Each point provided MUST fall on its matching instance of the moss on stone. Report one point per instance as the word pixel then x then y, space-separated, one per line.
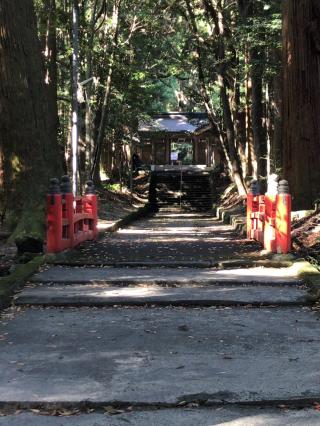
pixel 311 276
pixel 14 281
pixel 30 225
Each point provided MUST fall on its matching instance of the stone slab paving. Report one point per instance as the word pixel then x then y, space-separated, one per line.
pixel 95 295
pixel 171 237
pixel 178 417
pixel 160 355
pixel 166 275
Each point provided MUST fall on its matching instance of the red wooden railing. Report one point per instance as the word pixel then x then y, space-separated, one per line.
pixel 70 220
pixel 269 218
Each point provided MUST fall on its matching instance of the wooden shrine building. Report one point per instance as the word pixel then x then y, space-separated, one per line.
pixel 177 138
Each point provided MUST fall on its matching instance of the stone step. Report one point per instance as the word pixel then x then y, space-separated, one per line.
pixel 167 276
pixel 94 295
pixel 227 264
pixel 195 191
pixel 160 356
pixel 228 416
pixel 134 264
pixel 172 215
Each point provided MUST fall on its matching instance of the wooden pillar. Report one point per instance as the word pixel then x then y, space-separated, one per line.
pixel 195 141
pixel 168 150
pixel 153 151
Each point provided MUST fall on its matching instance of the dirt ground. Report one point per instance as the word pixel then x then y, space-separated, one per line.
pixel 306 235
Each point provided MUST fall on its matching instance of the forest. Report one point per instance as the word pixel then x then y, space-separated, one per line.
pixel 105 65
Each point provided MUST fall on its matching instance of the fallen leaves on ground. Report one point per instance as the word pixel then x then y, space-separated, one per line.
pixel 112 411
pixel 59 412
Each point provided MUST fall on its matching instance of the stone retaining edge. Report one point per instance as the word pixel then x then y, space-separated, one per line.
pixel 129 218
pixel 311 277
pixel 16 280
pixel 234 217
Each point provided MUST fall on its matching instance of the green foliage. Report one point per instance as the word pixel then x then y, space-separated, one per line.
pixel 155 64
pixel 114 187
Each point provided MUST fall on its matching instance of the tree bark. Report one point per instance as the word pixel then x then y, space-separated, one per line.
pixel 301 99
pixel 48 41
pixel 103 122
pixel 28 145
pixel 252 161
pixel 89 142
pixel 259 136
pixel 276 159
pixel 239 119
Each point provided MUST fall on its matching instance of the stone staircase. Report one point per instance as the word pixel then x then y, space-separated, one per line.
pixel 189 188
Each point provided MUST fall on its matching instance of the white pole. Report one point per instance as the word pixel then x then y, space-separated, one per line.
pixel 74 135
pixel 131 165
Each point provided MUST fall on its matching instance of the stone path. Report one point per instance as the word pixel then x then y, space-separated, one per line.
pixel 178 344
pixel 170 237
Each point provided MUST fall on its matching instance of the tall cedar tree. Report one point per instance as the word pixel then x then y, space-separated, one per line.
pixel 301 99
pixel 28 147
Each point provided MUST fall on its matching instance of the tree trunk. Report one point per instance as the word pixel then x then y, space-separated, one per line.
pixel 103 122
pixel 276 159
pixel 301 99
pixel 102 126
pixel 27 142
pixel 230 151
pixel 89 142
pixel 48 40
pixel 252 161
pixel 259 136
pixel 75 104
pixel 2 188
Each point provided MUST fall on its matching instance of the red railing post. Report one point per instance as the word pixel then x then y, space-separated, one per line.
pixel 67 212
pixel 270 214
pixel 54 217
pixel 91 207
pixel 270 223
pixel 259 233
pixel 283 218
pixel 252 209
pixel 250 225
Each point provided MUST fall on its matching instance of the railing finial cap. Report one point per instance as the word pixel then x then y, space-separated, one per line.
pixel 283 187
pixel 66 187
pixel 255 187
pixel 54 187
pixel 90 189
